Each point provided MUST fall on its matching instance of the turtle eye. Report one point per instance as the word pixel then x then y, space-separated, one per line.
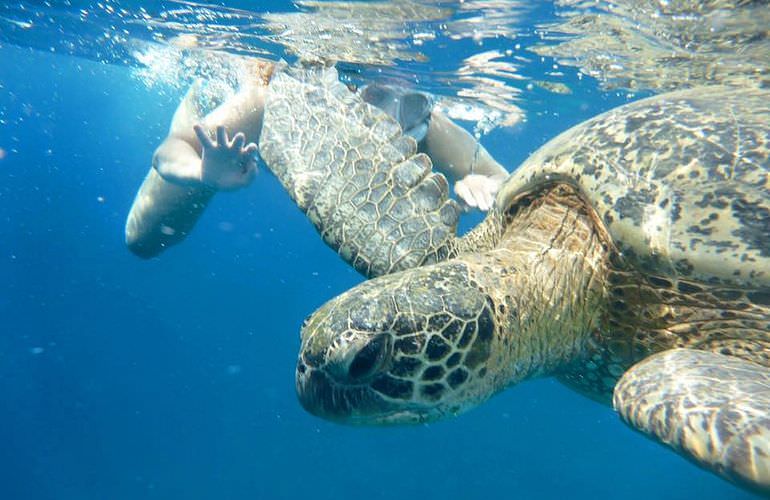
pixel 369 359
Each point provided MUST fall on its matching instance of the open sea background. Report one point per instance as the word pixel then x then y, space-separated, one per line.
pixel 174 377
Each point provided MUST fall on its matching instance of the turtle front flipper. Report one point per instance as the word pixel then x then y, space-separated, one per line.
pixel 360 181
pixel 713 409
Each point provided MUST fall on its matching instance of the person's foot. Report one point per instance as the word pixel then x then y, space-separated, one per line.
pixel 226 164
pixel 478 191
pixel 410 108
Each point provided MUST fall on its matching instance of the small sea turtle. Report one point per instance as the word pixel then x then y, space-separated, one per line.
pixel 629 256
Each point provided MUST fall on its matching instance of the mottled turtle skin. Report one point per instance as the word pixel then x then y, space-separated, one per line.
pixel 629 256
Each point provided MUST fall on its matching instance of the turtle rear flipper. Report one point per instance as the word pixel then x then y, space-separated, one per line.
pixel 349 167
pixel 713 409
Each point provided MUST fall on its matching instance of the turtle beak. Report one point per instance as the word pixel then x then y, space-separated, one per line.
pixel 321 396
pixel 353 405
pixel 314 390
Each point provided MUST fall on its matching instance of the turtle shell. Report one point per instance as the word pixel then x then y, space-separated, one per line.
pixel 681 181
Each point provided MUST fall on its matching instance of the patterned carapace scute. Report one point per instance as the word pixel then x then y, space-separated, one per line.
pixel 709 407
pixel 360 181
pixel 681 181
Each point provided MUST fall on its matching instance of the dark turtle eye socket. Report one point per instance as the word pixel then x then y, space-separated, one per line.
pixel 369 359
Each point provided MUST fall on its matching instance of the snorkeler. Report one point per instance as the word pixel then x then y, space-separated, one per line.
pixel 190 165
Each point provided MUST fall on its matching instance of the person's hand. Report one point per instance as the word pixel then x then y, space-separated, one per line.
pixel 226 164
pixel 478 191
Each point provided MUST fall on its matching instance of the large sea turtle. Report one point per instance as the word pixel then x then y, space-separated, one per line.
pixel 629 257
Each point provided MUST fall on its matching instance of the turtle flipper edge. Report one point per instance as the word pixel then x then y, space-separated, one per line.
pixel 712 408
pixel 360 181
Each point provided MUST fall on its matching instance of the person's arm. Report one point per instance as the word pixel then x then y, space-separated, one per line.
pixel 163 214
pixel 190 155
pixel 459 156
pixel 189 167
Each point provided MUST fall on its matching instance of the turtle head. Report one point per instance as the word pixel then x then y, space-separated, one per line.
pixel 405 348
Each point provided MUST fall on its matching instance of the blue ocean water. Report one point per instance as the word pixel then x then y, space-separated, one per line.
pixel 174 377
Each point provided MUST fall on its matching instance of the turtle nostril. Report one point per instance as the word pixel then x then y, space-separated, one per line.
pixel 369 359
